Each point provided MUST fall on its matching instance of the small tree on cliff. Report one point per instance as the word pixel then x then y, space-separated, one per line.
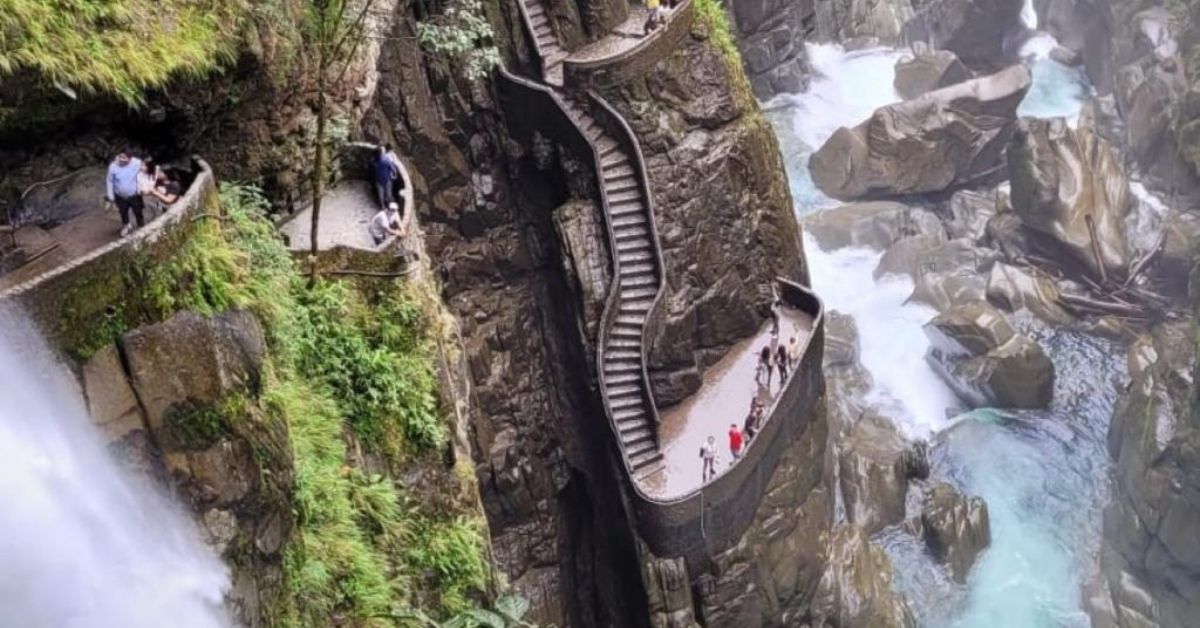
pixel 335 30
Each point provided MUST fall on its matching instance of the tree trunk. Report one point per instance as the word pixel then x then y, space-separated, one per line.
pixel 318 176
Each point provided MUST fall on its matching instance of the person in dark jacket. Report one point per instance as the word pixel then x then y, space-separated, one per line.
pixel 781 360
pixel 385 177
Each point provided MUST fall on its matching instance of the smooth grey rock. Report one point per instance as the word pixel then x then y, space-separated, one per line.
pixel 873 224
pixel 856 589
pixel 1013 288
pixel 111 403
pixel 956 528
pixel 928 71
pixel 874 468
pixel 1061 177
pixel 947 138
pixel 976 30
pixel 985 361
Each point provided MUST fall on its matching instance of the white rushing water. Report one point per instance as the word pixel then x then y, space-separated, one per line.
pixel 1041 473
pixel 83 544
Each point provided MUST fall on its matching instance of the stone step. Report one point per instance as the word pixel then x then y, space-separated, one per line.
pixel 628 221
pixel 625 342
pixel 632 432
pixel 612 365
pixel 643 444
pixel 605 146
pixel 624 354
pixel 622 331
pixel 628 292
pixel 614 160
pixel 538 20
pixel 644 254
pixel 630 415
pixel 620 185
pixel 617 403
pixel 639 306
pixel 622 390
pixel 626 207
pixel 631 319
pixel 630 246
pixel 622 196
pixel 636 268
pixel 623 378
pixel 619 172
pixel 639 281
pixel 645 459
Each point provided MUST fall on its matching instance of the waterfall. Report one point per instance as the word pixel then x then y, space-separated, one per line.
pixel 1029 16
pixel 85 544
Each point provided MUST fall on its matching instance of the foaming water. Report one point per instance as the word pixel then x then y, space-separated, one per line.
pixel 1042 474
pixel 891 340
pixel 84 544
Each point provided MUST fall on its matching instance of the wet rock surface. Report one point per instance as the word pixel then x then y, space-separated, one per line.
pixel 1068 184
pixel 1014 288
pixel 947 138
pixel 985 361
pixel 928 71
pixel 976 30
pixel 955 527
pixel 873 224
pixel 856 588
pixel 875 466
pixel 770 36
pixel 1152 555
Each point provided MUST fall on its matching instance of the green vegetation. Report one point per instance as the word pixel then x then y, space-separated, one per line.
pixel 345 360
pixel 462 33
pixel 711 13
pixel 119 47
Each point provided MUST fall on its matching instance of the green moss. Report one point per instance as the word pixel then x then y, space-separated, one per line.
pixel 118 47
pixel 711 13
pixel 193 426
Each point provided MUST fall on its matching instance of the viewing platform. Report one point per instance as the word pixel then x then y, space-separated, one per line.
pixel 723 399
pixel 628 51
pixel 66 219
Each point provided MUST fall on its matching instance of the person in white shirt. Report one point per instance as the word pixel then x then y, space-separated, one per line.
pixel 708 454
pixel 381 224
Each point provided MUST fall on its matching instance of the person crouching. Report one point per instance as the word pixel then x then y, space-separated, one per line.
pixel 385 223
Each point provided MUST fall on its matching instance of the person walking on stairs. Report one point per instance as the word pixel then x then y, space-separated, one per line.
pixel 708 457
pixel 121 189
pixel 781 360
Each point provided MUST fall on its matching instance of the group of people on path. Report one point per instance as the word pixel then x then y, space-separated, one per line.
pixel 656 17
pixel 389 188
pixel 774 357
pixel 134 185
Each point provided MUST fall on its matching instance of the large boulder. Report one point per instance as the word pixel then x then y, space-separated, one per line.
pixel 985 361
pixel 856 588
pixel 948 138
pixel 874 468
pixel 956 528
pixel 944 291
pixel 927 71
pixel 111 403
pixel 1064 178
pixel 975 30
pixel 1014 288
pixel 872 224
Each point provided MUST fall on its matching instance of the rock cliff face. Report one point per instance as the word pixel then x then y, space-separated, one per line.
pixel 722 206
pixel 1152 554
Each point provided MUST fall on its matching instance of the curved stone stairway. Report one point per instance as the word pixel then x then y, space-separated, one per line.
pixel 637 266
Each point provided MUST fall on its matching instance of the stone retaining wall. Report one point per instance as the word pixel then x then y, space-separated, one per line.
pixel 712 519
pixel 94 290
pixel 636 61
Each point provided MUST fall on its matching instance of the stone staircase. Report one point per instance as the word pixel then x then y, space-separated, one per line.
pixel 546 40
pixel 637 271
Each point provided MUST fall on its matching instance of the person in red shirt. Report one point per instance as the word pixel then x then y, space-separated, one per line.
pixel 735 440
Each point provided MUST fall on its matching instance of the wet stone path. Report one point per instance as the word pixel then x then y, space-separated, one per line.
pixel 624 37
pixel 723 399
pixel 346 211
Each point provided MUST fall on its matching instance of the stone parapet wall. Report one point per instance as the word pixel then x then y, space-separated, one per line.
pixel 92 290
pixel 636 61
pixel 713 518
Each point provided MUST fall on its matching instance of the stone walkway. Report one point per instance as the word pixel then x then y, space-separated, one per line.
pixel 346 211
pixel 624 37
pixel 88 226
pixel 723 398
